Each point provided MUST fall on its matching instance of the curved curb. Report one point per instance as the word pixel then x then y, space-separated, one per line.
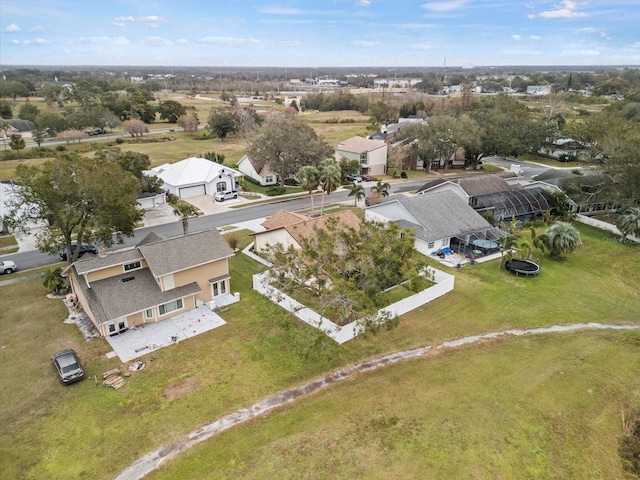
pixel 154 459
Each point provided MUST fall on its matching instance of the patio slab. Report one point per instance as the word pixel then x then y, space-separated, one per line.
pixel 147 338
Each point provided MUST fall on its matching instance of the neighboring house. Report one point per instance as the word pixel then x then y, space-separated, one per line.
pixel 154 281
pixel 372 154
pixel 287 228
pixel 259 171
pixel 25 128
pixel 195 176
pixel 8 189
pixel 566 149
pixel 468 187
pixel 439 219
pixel 151 200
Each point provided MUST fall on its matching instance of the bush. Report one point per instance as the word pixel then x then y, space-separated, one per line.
pixel 275 191
pixel 172 199
pixel 403 174
pixel 61 148
pixel 233 241
pixel 119 141
pixel 292 182
pixel 251 180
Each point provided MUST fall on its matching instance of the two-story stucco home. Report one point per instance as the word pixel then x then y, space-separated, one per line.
pixel 154 281
pixel 372 154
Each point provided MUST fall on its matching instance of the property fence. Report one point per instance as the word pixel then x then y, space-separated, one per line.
pixel 444 283
pixel 604 226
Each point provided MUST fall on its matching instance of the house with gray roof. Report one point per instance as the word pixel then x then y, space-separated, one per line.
pixel 25 128
pixel 439 219
pixel 468 187
pixel 156 280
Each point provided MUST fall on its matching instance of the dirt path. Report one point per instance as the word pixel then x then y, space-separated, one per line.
pixel 154 459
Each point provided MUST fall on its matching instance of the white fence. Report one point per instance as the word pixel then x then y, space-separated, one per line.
pixel 604 226
pixel 444 283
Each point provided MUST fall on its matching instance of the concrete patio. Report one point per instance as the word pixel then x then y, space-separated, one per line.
pixel 144 339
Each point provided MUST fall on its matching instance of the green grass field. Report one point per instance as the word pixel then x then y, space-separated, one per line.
pixel 499 410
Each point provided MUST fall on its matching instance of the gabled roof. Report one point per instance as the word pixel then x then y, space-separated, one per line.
pixel 191 170
pixel 186 251
pixel 306 228
pixel 472 186
pixel 128 293
pixel 20 125
pixel 360 145
pixel 282 218
pixel 258 166
pixel 436 215
pixel 151 238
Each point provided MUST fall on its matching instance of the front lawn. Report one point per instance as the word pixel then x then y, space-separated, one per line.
pixel 513 410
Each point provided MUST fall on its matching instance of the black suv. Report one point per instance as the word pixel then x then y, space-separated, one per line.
pixel 84 248
pixel 68 366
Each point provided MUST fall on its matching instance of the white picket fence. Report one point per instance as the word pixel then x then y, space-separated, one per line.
pixel 443 283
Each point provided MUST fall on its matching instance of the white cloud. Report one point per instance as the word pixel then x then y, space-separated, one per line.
pixel 119 24
pixel 516 37
pixel 151 21
pixel 36 41
pixel 15 42
pixel 420 46
pixel 363 3
pixel 445 6
pixel 565 9
pixel 102 40
pixel 289 43
pixel 535 38
pixel 229 41
pixel 182 42
pixel 154 41
pixel 364 43
pixel 13 28
pixel 123 19
pixel 280 11
pixel 36 29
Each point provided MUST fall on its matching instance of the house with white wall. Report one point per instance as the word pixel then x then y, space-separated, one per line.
pixel 372 154
pixel 259 171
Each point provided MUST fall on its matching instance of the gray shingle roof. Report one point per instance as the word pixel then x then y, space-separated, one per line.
pixel 442 215
pixel 187 251
pixel 112 298
pixel 472 186
pixel 90 263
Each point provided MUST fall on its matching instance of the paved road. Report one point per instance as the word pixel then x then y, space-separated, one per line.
pixel 529 169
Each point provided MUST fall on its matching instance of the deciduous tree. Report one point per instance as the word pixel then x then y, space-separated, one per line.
pixel 189 122
pixel 171 111
pixel 222 122
pixel 285 144
pixel 16 142
pixel 79 199
pixel 135 127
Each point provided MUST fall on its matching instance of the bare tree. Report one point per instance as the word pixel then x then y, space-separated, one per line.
pixel 72 135
pixel 189 122
pixel 135 127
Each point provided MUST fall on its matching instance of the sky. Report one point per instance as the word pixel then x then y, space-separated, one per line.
pixel 319 33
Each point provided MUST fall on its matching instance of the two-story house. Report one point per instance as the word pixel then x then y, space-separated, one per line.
pixel 372 154
pixel 154 281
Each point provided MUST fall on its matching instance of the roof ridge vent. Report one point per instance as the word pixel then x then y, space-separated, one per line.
pixel 128 279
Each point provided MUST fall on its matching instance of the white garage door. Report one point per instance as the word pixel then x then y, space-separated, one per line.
pixel 187 192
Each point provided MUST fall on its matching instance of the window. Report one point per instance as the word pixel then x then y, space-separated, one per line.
pixel 219 288
pixel 131 266
pixel 112 328
pixel 223 287
pixel 221 187
pixel 170 307
pixel 431 244
pixel 215 289
pixel 268 179
pixel 363 159
pixel 148 313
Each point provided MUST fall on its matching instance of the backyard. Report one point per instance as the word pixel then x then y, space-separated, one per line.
pixel 538 407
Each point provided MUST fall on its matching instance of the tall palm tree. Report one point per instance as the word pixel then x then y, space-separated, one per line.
pixel 185 211
pixel 357 192
pixel 629 223
pixel 5 128
pixel 562 238
pixel 538 242
pixel 330 177
pixel 309 179
pixel 381 189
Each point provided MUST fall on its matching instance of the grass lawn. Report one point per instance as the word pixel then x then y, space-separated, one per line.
pixel 513 410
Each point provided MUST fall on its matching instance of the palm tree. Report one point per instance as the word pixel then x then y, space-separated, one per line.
pixel 357 192
pixel 330 177
pixel 508 242
pixel 185 211
pixel 562 238
pixel 53 280
pixel 309 179
pixel 381 189
pixel 629 223
pixel 5 127
pixel 538 242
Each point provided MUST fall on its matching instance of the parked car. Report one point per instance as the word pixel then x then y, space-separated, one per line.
pixel 7 266
pixel 226 195
pixel 68 366
pixel 354 178
pixel 367 178
pixel 84 248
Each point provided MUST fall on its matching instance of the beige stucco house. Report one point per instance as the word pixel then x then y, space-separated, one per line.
pixel 154 281
pixel 372 154
pixel 259 171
